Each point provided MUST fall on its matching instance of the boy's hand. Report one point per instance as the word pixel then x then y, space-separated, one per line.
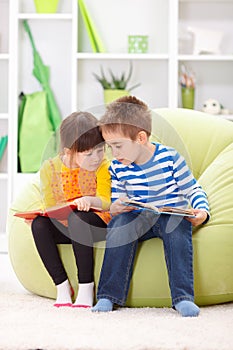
pixel 117 207
pixel 200 217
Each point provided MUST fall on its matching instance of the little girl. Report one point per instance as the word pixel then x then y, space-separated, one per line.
pixel 79 173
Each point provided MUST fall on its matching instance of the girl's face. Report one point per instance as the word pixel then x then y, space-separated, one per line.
pixel 89 160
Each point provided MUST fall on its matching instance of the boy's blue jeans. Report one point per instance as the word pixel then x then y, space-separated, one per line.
pixel 124 232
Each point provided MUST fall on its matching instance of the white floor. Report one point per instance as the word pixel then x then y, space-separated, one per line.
pixel 7 275
pixel 31 322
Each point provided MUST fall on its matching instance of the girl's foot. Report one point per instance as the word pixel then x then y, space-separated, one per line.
pixel 85 295
pixel 64 294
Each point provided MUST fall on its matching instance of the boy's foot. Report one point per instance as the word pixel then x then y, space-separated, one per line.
pixel 103 305
pixel 187 308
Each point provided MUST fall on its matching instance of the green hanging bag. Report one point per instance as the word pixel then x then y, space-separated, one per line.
pixel 39 118
pixel 36 133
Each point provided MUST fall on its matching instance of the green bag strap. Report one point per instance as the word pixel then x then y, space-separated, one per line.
pixel 22 97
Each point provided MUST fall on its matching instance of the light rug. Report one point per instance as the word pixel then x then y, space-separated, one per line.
pixel 31 322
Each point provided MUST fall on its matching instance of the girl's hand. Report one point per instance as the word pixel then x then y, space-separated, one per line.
pixel 117 207
pixel 83 203
pixel 200 217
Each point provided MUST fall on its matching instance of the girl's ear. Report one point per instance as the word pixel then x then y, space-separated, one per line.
pixel 142 137
pixel 66 151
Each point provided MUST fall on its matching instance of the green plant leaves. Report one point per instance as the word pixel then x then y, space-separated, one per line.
pixel 115 82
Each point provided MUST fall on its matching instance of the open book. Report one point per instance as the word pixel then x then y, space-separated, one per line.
pixel 59 212
pixel 158 211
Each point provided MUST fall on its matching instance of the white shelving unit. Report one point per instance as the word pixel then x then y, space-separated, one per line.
pixel 63 43
pixel 4 116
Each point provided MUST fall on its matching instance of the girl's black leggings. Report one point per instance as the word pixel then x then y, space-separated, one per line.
pixel 84 228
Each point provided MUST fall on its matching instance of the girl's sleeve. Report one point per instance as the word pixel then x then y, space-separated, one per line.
pixel 45 185
pixel 103 179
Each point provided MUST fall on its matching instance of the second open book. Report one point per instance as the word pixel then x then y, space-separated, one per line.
pixel 158 211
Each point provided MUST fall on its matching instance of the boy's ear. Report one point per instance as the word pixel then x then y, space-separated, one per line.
pixel 142 137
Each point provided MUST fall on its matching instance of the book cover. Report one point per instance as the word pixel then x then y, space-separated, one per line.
pixel 59 212
pixel 158 211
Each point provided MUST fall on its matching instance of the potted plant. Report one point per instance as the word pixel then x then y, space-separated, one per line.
pixel 46 6
pixel 115 87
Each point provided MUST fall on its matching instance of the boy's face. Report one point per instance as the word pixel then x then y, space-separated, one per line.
pixel 123 148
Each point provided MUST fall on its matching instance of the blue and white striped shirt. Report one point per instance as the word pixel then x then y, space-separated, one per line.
pixel 165 180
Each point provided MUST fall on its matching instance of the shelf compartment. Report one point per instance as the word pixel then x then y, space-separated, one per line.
pixel 153 78
pixel 4 27
pixel 213 80
pixel 28 7
pixel 114 25
pixel 4 86
pixel 199 14
pixel 53 42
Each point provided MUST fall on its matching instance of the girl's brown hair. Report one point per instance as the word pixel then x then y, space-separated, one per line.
pixel 80 132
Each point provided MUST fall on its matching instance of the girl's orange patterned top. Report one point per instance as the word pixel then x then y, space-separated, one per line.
pixel 60 184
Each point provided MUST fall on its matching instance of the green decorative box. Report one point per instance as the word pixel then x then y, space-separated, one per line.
pixel 138 43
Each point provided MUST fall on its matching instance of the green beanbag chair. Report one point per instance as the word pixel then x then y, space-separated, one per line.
pixel 207 144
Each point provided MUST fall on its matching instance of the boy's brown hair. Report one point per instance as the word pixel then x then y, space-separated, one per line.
pixel 128 116
pixel 80 132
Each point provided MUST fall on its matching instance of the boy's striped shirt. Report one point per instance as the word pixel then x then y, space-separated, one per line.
pixel 165 180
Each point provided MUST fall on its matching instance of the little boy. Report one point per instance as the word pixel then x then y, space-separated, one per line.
pixel 155 174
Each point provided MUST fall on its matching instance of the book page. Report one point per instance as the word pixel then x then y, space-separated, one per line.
pixel 160 210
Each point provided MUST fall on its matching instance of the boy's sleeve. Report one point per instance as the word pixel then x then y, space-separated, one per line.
pixel 117 187
pixel 103 179
pixel 189 185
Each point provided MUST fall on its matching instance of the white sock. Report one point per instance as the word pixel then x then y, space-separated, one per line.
pixel 63 293
pixel 85 295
